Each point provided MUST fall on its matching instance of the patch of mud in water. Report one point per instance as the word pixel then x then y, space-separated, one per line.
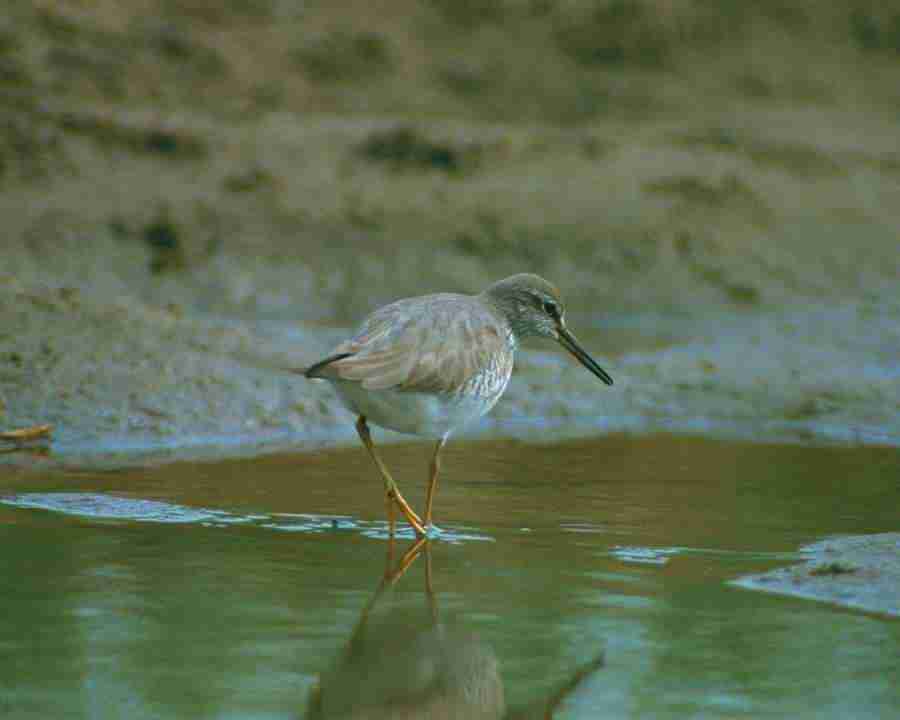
pixel 861 572
pixel 99 506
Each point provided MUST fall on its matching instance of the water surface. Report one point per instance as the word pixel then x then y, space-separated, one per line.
pixel 588 577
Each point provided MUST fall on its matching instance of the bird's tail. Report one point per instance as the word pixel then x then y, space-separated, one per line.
pixel 315 370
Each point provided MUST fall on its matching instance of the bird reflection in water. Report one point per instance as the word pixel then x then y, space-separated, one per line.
pixel 402 662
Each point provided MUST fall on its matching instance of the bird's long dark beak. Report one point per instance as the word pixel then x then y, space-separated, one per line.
pixel 568 341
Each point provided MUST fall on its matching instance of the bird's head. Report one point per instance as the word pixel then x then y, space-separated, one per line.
pixel 534 307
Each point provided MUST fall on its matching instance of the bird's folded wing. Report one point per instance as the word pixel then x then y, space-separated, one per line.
pixel 407 353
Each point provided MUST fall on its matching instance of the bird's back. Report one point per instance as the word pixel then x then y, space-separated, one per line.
pixel 444 343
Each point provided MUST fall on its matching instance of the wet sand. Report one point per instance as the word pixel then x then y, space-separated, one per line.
pixel 129 384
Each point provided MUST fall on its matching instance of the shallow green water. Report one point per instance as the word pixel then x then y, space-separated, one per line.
pixel 590 577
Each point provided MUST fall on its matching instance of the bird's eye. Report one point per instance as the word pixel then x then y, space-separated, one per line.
pixel 552 309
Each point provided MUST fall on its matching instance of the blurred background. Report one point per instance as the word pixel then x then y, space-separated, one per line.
pixel 194 193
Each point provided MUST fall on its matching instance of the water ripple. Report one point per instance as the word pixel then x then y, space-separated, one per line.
pixel 114 507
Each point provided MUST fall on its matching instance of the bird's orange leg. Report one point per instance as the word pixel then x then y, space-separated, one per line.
pixel 389 508
pixel 393 492
pixel 432 484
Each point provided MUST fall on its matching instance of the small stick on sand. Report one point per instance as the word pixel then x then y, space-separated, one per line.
pixel 23 435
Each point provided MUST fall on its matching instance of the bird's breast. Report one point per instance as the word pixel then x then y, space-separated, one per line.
pixel 419 413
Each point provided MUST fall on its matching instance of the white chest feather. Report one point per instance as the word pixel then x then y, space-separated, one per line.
pixel 414 413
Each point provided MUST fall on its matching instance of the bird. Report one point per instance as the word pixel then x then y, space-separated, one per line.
pixel 427 365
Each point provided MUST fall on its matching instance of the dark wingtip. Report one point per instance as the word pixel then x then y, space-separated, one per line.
pixel 313 370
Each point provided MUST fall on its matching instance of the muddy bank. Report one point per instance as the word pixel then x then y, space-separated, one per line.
pixel 150 305
pixel 127 380
pixel 124 375
pixel 860 572
pixel 193 200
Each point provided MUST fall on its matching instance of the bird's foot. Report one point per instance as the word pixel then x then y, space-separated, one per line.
pixel 411 517
pixel 421 532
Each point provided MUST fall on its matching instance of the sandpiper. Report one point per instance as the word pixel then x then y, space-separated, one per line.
pixel 427 365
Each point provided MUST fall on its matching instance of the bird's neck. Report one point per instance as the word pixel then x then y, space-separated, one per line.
pixel 507 312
